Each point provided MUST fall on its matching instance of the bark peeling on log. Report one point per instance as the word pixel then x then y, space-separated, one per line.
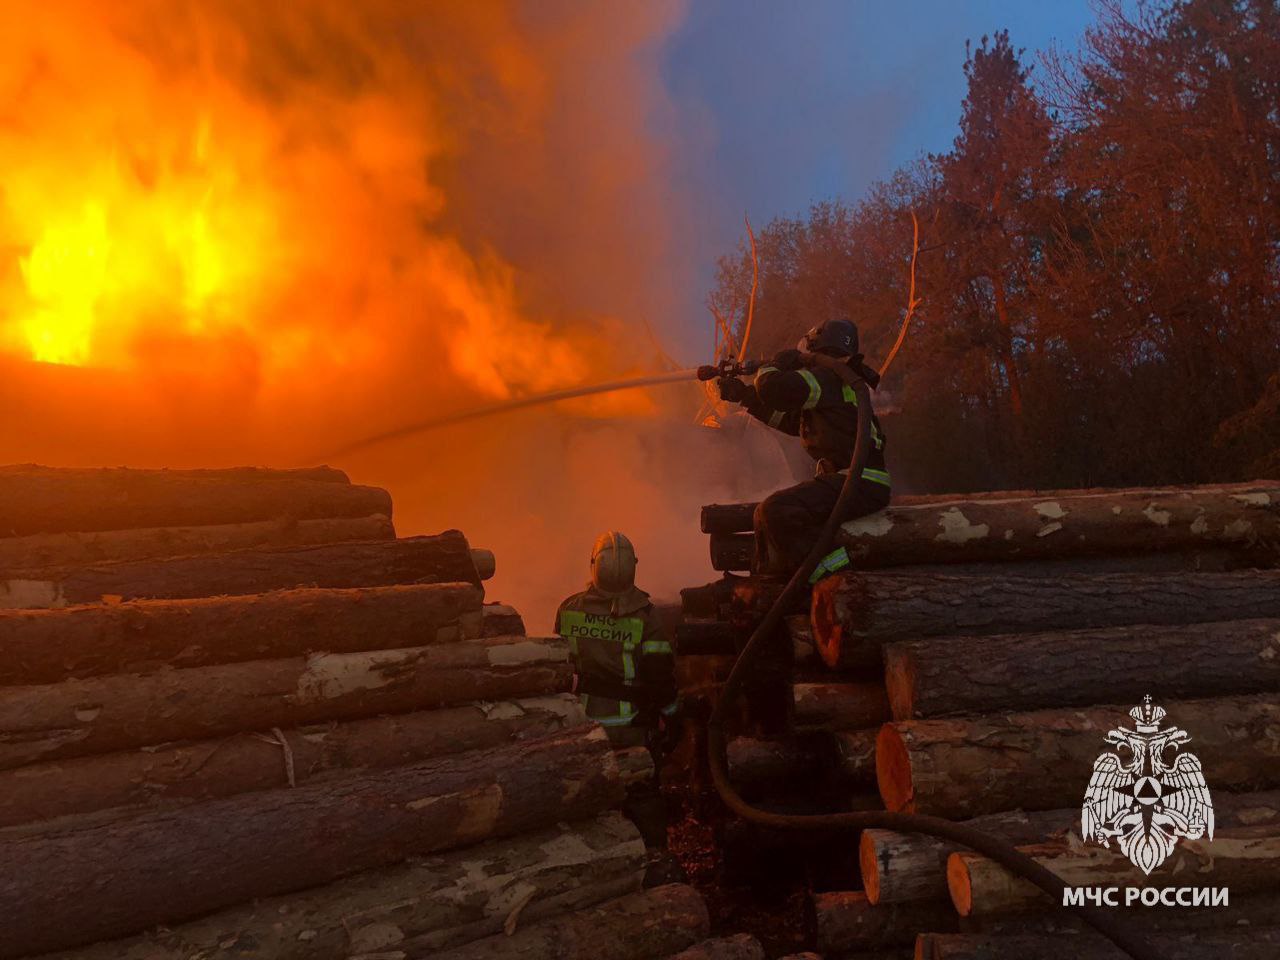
pixel 80 884
pixel 969 766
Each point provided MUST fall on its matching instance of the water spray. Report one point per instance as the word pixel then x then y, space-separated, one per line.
pixel 725 368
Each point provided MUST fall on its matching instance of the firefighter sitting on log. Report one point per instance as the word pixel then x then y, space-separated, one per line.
pixel 624 671
pixel 800 393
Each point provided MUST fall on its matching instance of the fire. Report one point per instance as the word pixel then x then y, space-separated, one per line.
pixel 111 254
pixel 185 211
pixel 236 232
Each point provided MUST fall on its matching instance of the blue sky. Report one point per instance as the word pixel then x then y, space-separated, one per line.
pixel 781 104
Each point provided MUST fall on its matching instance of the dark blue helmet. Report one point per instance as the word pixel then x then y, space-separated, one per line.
pixel 836 338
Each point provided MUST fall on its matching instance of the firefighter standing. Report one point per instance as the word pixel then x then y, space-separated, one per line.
pixel 800 393
pixel 624 669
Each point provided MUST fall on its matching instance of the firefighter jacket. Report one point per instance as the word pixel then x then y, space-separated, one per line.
pixel 623 660
pixel 822 410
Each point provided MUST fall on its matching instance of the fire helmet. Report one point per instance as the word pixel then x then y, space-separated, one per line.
pixel 613 564
pixel 837 338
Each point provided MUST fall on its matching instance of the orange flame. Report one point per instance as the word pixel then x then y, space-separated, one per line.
pixel 245 232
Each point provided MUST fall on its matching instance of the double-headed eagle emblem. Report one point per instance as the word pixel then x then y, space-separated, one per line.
pixel 1147 800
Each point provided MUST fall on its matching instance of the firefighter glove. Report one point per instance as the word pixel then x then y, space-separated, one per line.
pixel 732 390
pixel 789 360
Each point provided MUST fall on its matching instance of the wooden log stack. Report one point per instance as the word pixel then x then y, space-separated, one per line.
pixel 238 718
pixel 972 659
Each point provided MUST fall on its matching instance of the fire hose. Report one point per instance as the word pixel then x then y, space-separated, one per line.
pixel 1116 930
pixel 1008 856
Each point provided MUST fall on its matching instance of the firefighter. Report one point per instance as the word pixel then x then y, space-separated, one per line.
pixel 800 393
pixel 624 672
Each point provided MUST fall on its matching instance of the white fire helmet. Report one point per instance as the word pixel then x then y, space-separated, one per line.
pixel 613 564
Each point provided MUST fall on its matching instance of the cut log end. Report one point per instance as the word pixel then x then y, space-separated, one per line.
pixel 893 770
pixel 869 867
pixel 899 681
pixel 958 884
pixel 485 562
pixel 828 632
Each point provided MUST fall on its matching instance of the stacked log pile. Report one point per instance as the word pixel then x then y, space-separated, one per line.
pixel 1001 636
pixel 238 718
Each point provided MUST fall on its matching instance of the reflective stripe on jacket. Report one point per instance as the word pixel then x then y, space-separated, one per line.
pixel 622 656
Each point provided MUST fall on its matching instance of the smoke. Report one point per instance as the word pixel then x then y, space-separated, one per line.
pixel 236 232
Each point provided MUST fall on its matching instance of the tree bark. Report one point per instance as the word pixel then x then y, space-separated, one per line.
pixel 635 765
pixel 25 556
pixel 46 500
pixel 800 630
pixel 901 867
pixel 1244 859
pixel 856 756
pixel 123 475
pixel 738 517
pixel 653 923
pixel 953 675
pixel 1248 944
pixel 853 614
pixel 445 558
pixel 847 922
pixel 733 551
pixel 1042 760
pixel 240 763
pixel 124 711
pixel 46 646
pixel 1093 524
pixel 501 620
pixel 840 706
pixel 75 886
pixel 741 946
pixel 757 765
pixel 442 900
pixel 898 867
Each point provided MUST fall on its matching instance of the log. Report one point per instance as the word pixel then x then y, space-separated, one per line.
pixel 207 769
pixel 854 614
pixel 444 900
pixel 840 706
pixel 898 867
pixel 727 518
pixel 847 922
pixel 901 867
pixel 737 517
pixel 25 556
pixel 953 675
pixel 1251 944
pixel 124 711
pixel 856 756
pixel 45 646
pixel 1244 859
pixel 445 558
pixel 733 551
pixel 78 885
pixel 800 630
pixel 1076 525
pixel 34 471
pixel 653 923
pixel 757 764
pixel 1042 760
pixel 741 946
pixel 501 620
pixel 702 638
pixel 635 765
pixel 44 500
